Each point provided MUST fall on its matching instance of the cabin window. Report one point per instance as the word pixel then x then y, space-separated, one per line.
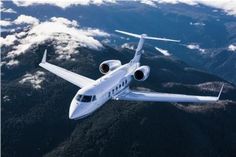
pixel 123 84
pixel 113 90
pixel 116 87
pixel 120 86
pixel 109 94
pixel 126 81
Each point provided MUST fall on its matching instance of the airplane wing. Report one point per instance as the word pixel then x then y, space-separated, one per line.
pixel 165 97
pixel 76 79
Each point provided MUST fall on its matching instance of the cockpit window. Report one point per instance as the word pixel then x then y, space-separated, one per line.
pixel 78 97
pixel 94 98
pixel 85 98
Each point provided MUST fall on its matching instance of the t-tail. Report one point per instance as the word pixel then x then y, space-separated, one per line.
pixel 142 37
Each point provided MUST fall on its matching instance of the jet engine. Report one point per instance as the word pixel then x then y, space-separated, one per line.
pixel 109 65
pixel 142 73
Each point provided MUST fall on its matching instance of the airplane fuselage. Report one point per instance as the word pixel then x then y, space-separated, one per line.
pixel 104 89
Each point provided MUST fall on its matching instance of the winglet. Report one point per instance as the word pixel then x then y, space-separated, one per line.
pixel 220 92
pixel 44 57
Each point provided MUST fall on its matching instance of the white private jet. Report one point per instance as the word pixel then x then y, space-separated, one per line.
pixel 115 83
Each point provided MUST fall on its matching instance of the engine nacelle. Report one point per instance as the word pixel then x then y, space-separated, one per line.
pixel 141 73
pixel 109 65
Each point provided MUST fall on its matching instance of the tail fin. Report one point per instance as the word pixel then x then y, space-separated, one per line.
pixel 142 37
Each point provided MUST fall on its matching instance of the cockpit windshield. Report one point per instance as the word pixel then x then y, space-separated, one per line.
pixel 85 98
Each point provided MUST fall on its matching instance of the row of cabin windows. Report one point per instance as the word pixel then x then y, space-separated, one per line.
pixel 118 87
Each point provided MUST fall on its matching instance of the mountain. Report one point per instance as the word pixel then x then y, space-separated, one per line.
pixel 35 103
pixel 35 120
pixel 206 33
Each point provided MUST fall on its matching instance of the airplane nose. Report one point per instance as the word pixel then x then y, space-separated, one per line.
pixel 73 110
pixel 77 110
pixel 72 115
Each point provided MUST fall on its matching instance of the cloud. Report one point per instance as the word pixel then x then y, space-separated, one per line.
pixel 148 2
pixel 9 10
pixel 195 47
pixel 12 63
pixel 35 79
pixel 197 23
pixel 61 3
pixel 8 40
pixel 6 98
pixel 65 21
pixel 232 47
pixel 64 34
pixel 229 6
pixel 4 23
pixel 24 19
pixel 128 46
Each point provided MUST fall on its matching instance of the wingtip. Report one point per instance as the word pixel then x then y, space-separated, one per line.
pixel 44 56
pixel 221 89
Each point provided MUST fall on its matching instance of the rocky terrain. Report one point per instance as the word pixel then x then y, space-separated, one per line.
pixel 35 119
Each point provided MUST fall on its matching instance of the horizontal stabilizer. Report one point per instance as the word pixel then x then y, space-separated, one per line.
pixel 161 39
pixel 144 36
pixel 129 34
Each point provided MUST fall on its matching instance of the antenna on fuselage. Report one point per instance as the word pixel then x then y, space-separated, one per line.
pixel 142 37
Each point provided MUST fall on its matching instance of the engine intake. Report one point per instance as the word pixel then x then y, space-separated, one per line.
pixel 109 65
pixel 142 73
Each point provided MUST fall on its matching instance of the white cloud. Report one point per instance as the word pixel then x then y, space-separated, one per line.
pixel 24 19
pixel 65 21
pixel 6 98
pixel 64 34
pixel 61 3
pixel 148 2
pixel 35 79
pixel 9 10
pixel 229 6
pixel 106 41
pixel 4 23
pixel 195 47
pixel 128 46
pixel 164 52
pixel 197 23
pixel 8 40
pixel 12 63
pixel 232 47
